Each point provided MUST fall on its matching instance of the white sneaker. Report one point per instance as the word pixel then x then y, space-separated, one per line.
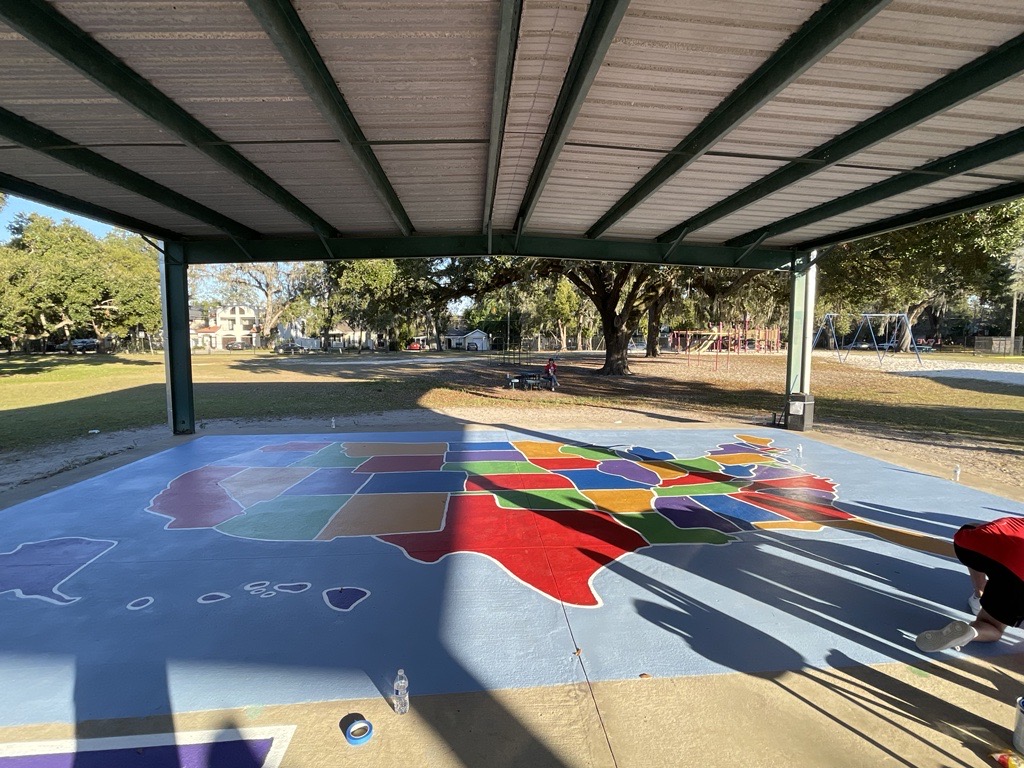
pixel 974 603
pixel 953 635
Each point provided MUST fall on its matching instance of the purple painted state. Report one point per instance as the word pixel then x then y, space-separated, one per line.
pixel 629 470
pixel 195 500
pixel 36 569
pixel 685 512
pixel 401 464
pixel 295 445
pixel 774 473
pixel 330 481
pixel 237 753
pixel 492 446
pixel 344 598
pixel 735 448
pixel 481 455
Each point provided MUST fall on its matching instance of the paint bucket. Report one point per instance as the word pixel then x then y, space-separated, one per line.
pixel 1018 728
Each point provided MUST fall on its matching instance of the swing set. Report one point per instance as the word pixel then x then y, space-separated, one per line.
pixel 883 343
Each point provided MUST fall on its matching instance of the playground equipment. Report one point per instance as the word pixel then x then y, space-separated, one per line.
pixel 883 343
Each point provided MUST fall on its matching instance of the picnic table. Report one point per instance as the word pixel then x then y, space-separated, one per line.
pixel 528 380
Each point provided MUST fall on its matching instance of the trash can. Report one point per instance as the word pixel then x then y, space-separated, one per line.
pixel 800 412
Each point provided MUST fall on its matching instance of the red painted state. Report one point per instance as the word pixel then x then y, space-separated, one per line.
pixel 529 482
pixel 571 462
pixel 195 500
pixel 556 553
pixel 702 477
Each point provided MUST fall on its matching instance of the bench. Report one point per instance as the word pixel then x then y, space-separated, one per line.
pixel 528 380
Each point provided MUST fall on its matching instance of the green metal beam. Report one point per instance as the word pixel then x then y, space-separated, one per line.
pixel 1001 194
pixel 47 28
pixel 828 27
pixel 995 67
pixel 507 243
pixel 991 151
pixel 508 32
pixel 596 35
pixel 181 410
pixel 283 26
pixel 39 139
pixel 30 191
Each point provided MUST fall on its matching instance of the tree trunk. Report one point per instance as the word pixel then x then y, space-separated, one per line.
pixel 616 345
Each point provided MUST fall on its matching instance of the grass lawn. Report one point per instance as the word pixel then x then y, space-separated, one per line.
pixel 49 399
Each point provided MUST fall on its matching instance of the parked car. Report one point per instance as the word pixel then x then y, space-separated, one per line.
pixel 472 346
pixel 858 345
pixel 289 348
pixel 85 345
pixel 235 345
pixel 414 346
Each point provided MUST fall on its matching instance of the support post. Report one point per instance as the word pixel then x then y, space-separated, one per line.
pixel 177 345
pixel 802 289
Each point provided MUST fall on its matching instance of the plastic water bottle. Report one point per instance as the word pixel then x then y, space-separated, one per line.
pixel 401 692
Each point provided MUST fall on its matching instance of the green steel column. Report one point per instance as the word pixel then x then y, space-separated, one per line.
pixel 177 347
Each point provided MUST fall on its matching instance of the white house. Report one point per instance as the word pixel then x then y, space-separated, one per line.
pixel 473 341
pixel 228 324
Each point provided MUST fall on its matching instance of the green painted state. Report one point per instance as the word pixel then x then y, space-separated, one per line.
pixel 331 456
pixel 702 489
pixel 696 465
pixel 590 452
pixel 658 529
pixel 286 518
pixel 494 467
pixel 547 500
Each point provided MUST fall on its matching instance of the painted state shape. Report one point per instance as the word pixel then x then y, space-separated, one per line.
pixel 544 481
pixel 345 598
pixel 492 445
pixel 687 512
pixel 384 513
pixel 286 518
pixel 295 445
pixel 328 481
pixel 590 479
pixel 257 484
pixel 401 464
pixel 331 456
pixel 369 449
pixel 414 482
pixel 552 500
pixel 565 462
pixel 478 455
pixel 630 470
pixel 576 543
pixel 36 569
pixel 196 499
pixel 492 467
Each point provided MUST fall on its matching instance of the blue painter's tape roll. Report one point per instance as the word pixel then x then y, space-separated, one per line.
pixel 359 732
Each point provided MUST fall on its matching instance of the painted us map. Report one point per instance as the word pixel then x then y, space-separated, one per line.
pixel 551 514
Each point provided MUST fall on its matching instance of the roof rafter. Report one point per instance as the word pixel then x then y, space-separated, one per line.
pixel 47 28
pixel 827 28
pixel 1001 194
pixel 505 243
pixel 32 191
pixel 46 142
pixel 598 30
pixel 504 59
pixel 283 26
pixel 985 72
pixel 991 151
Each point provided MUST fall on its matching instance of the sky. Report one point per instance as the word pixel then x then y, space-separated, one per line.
pixel 16 205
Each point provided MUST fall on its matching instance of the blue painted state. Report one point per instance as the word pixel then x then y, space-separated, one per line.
pixel 770 601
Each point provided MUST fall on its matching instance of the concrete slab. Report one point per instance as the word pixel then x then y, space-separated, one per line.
pixel 761 609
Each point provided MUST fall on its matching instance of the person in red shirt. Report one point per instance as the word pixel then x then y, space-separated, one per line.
pixel 994 555
pixel 550 372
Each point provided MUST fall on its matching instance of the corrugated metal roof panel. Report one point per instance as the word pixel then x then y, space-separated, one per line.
pixel 708 180
pixel 41 170
pixel 438 86
pixel 441 185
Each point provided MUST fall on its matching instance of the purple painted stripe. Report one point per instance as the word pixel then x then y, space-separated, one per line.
pixel 629 470
pixel 237 753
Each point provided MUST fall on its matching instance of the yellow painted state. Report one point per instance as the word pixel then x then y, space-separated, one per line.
pixel 535 449
pixel 755 440
pixel 395 449
pixel 378 514
pixel 799 525
pixel 742 458
pixel 634 501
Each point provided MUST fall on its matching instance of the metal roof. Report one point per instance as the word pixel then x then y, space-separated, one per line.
pixel 705 131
